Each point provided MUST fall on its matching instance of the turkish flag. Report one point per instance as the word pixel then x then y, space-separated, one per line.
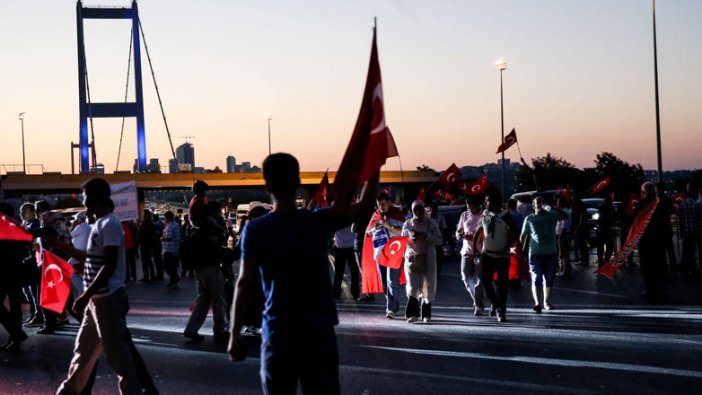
pixel 631 205
pixel 371 142
pixel 320 195
pixel 479 185
pixel 11 230
pixel 370 271
pixel 677 199
pixel 450 176
pixel 55 282
pixel 422 195
pixel 510 140
pixel 394 252
pixel 564 192
pixel 600 185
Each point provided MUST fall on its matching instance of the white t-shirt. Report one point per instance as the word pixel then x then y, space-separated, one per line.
pixel 106 232
pixel 79 238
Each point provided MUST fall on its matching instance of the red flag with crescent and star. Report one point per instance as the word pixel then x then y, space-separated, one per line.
pixel 450 176
pixel 320 195
pixel 55 282
pixel 479 185
pixel 11 230
pixel 371 142
pixel 510 140
pixel 600 185
pixel 422 194
pixel 394 252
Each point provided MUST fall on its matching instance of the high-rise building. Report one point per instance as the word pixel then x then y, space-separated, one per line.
pixel 185 153
pixel 153 166
pixel 172 166
pixel 231 164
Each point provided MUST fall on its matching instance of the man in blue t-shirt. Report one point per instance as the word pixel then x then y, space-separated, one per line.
pixel 540 229
pixel 288 248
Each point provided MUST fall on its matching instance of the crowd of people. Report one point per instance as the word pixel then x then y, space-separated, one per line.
pixel 288 291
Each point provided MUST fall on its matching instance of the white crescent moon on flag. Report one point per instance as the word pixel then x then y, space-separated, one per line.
pixel 509 139
pixel 451 177
pixel 56 267
pixel 475 188
pixel 601 184
pixel 394 250
pixel 378 95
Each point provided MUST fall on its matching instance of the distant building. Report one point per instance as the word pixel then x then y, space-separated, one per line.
pixel 153 166
pixel 172 166
pixel 231 164
pixel 99 168
pixel 185 153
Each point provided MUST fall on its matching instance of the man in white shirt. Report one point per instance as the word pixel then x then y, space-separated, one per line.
pixel 470 267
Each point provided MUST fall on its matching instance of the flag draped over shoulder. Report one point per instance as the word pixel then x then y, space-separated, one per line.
pixel 632 241
pixel 55 282
pixel 10 230
pixel 320 195
pixel 510 140
pixel 371 142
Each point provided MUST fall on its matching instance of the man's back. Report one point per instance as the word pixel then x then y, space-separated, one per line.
pixel 290 249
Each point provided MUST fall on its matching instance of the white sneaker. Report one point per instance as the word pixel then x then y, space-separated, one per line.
pixel 390 315
pixel 426 319
pixel 412 319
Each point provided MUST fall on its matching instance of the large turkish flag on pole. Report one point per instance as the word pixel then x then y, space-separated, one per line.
pixel 371 142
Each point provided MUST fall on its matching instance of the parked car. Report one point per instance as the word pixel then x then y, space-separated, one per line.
pixel 592 205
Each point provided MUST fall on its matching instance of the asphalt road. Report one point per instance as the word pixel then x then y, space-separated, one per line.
pixel 601 338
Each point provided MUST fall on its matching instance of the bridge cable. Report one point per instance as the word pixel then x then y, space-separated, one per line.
pixel 160 103
pixel 126 91
pixel 90 113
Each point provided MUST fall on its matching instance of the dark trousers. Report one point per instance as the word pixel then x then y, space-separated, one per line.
pixel 581 247
pixel 496 290
pixel 605 247
pixel 170 263
pixel 157 252
pixel 343 257
pixel 652 258
pixel 689 245
pixel 147 264
pixel 281 368
pixel 130 255
pixel 12 319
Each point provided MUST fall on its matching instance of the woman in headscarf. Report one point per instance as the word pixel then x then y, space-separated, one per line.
pixel 420 262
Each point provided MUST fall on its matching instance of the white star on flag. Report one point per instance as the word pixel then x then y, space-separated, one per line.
pixel 50 284
pixel 513 250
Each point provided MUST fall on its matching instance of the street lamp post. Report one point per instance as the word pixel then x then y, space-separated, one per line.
pixel 502 65
pixel 658 114
pixel 24 163
pixel 269 117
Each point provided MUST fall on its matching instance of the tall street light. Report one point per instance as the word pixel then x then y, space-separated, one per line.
pixel 24 163
pixel 502 65
pixel 658 114
pixel 269 117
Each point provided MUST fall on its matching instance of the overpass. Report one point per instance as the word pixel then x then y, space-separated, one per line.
pixel 18 184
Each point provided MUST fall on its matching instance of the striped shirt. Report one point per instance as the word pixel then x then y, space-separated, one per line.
pixel 106 232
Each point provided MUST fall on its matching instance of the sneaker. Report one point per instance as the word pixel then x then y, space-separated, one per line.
pixel 548 306
pixel 537 308
pixel 194 337
pixel 37 321
pixel 173 284
pixel 426 319
pixel 493 312
pixel 390 315
pixel 501 318
pixel 413 319
pixel 47 330
pixel 477 310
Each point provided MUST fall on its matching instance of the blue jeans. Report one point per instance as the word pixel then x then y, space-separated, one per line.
pixel 543 268
pixel 281 367
pixel 391 285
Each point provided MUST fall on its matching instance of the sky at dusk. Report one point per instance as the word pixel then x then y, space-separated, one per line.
pixel 579 79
